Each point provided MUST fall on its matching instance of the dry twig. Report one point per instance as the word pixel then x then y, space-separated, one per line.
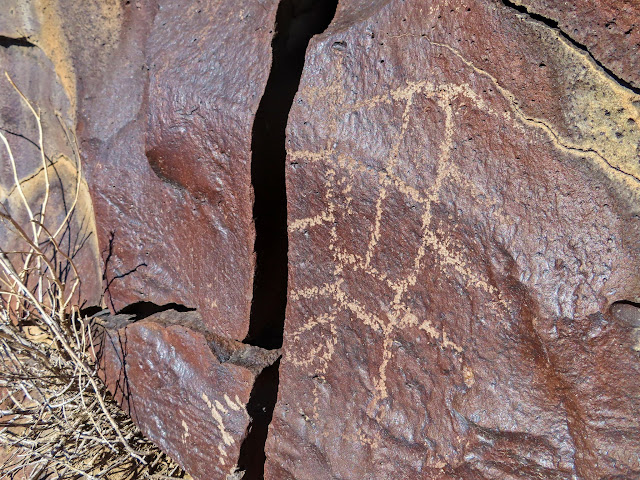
pixel 57 419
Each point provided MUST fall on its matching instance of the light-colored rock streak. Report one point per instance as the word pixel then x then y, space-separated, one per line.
pixel 217 412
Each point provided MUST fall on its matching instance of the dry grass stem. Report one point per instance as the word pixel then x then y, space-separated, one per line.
pixel 57 419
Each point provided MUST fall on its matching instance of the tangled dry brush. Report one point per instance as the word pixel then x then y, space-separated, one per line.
pixel 57 419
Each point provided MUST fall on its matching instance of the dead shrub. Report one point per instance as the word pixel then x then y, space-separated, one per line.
pixel 57 419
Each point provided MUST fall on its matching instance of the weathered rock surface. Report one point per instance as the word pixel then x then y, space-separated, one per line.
pixel 609 30
pixel 165 94
pixel 462 188
pixel 462 184
pixel 186 388
pixel 165 110
pixel 34 74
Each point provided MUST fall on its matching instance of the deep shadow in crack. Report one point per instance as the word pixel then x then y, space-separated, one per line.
pixel 6 42
pixel 296 22
pixel 140 310
pixel 260 408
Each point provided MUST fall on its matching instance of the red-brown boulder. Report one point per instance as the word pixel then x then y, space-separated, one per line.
pixel 166 96
pixel 462 187
pixel 186 388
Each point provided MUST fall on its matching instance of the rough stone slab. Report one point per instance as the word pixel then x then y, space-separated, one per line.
pixel 610 30
pixel 185 388
pixel 462 188
pixel 166 94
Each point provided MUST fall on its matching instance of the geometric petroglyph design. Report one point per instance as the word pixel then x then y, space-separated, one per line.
pixel 435 246
pixel 397 315
pixel 218 410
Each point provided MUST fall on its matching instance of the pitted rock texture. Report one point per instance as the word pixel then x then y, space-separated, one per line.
pixel 462 183
pixel 610 30
pixel 186 389
pixel 166 93
pixel 462 187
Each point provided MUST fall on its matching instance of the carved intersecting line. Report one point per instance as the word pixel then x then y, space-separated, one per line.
pixel 219 412
pixel 398 315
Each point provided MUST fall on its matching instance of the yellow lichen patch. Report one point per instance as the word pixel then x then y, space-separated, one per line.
pixel 103 21
pixel 604 114
pixel 62 174
pixel 609 140
pixel 62 171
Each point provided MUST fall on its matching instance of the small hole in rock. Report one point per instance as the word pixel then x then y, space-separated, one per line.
pixel 626 312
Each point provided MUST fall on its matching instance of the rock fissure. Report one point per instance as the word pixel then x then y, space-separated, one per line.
pixel 218 376
pixel 141 310
pixel 296 22
pixel 6 42
pixel 254 359
pixel 579 150
pixel 260 408
pixel 555 26
pixel 447 225
pixel 556 138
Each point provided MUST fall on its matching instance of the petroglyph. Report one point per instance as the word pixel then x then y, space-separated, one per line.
pixel 436 245
pixel 186 434
pixel 398 315
pixel 233 405
pixel 218 411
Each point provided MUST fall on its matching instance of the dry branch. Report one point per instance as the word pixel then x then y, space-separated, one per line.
pixel 57 419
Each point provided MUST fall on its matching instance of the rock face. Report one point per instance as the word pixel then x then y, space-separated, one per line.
pixel 609 30
pixel 463 191
pixel 162 96
pixel 462 186
pixel 34 74
pixel 166 95
pixel 186 388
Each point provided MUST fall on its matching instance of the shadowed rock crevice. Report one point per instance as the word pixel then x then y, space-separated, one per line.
pixel 6 42
pixel 555 25
pixel 140 310
pixel 260 408
pixel 296 22
pixel 226 350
